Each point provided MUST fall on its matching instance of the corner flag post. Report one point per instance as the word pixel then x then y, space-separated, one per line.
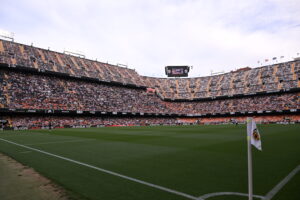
pixel 250 182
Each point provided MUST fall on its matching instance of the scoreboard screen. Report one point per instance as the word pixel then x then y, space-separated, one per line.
pixel 177 71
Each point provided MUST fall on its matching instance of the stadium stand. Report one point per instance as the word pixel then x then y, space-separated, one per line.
pixel 37 122
pixel 29 91
pixel 43 122
pixel 36 81
pixel 259 119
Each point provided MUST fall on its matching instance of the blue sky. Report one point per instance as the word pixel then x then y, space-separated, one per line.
pixel 214 35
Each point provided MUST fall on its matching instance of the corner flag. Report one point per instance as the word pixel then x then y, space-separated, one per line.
pixel 253 137
pixel 253 133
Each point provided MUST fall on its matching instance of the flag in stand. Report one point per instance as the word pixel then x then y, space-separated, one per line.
pixel 254 135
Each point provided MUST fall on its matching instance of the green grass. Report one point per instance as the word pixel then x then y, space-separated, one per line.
pixel 195 160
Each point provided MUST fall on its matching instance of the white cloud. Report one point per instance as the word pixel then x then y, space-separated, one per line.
pixel 147 35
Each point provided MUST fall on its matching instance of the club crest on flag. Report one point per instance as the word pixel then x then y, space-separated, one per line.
pixel 256 135
pixel 253 134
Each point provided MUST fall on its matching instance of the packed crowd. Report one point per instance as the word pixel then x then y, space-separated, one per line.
pixel 50 122
pixel 2 98
pixel 46 60
pixel 31 122
pixel 283 76
pixel 275 102
pixel 290 118
pixel 28 91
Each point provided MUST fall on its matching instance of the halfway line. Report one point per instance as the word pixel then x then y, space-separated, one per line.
pixel 108 171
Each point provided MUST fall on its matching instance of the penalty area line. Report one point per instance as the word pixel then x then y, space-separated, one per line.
pixel 282 183
pixel 107 171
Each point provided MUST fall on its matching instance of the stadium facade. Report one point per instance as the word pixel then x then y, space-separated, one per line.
pixel 41 88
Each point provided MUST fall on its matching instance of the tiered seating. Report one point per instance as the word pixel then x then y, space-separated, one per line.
pixel 28 91
pixel 245 104
pixel 182 89
pixel 258 119
pixel 265 79
pixel 213 86
pixel 33 122
pixel 253 81
pixel 238 84
pixel 18 54
pixel 168 88
pixel 284 76
pixel 268 79
pixel 297 72
pixel 2 97
pixel 224 85
pixel 23 90
pixel 201 90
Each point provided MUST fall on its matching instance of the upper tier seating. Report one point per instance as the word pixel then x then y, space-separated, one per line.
pixel 29 56
pixel 283 76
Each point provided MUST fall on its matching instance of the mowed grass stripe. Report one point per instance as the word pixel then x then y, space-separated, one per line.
pixel 196 160
pixel 106 171
pixel 57 142
pixel 86 182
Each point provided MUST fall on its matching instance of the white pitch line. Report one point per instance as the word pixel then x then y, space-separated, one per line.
pixel 227 193
pixel 56 142
pixel 280 185
pixel 108 171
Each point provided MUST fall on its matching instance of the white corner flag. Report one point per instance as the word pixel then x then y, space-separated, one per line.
pixel 253 132
pixel 253 137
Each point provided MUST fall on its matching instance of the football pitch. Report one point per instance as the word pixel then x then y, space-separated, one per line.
pixel 162 162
